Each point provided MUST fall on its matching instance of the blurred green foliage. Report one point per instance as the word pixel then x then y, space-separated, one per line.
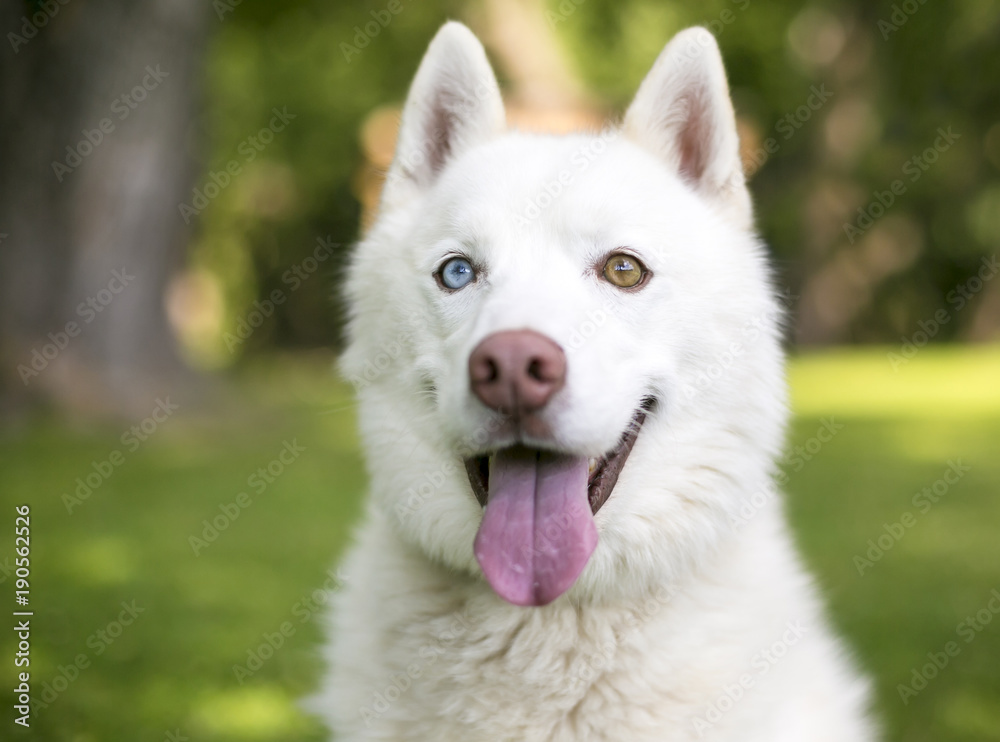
pixel 175 669
pixel 897 73
pixel 297 189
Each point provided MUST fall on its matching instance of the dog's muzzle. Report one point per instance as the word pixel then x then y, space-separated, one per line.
pixel 538 531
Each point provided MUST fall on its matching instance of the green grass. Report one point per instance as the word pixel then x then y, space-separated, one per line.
pixel 901 430
pixel 172 668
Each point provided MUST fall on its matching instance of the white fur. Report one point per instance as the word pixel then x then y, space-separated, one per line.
pixel 694 574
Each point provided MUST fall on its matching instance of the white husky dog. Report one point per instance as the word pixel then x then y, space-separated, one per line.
pixel 567 351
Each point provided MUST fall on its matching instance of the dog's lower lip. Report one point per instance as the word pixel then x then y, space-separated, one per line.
pixel 603 473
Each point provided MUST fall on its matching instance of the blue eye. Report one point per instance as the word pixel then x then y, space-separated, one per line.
pixel 457 273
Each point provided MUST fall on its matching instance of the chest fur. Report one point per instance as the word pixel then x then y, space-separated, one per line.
pixel 551 674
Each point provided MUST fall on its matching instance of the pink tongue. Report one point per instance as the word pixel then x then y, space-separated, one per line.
pixel 537 531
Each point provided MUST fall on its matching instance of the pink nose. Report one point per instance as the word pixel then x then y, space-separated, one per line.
pixel 516 371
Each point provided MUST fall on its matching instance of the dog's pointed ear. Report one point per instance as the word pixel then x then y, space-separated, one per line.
pixel 683 113
pixel 454 103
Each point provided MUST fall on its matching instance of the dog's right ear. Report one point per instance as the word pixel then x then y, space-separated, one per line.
pixel 454 103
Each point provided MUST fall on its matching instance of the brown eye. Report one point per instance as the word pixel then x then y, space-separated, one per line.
pixel 624 271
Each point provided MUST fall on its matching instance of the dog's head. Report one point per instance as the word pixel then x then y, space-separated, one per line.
pixel 566 348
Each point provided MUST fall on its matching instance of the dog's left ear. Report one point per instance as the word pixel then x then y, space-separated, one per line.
pixel 454 104
pixel 683 113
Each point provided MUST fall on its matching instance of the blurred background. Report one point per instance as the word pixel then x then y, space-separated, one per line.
pixel 180 184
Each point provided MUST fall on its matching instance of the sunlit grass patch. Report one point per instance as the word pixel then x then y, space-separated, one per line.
pixel 900 591
pixel 938 381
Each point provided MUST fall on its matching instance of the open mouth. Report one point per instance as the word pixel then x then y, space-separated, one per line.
pixel 602 472
pixel 538 530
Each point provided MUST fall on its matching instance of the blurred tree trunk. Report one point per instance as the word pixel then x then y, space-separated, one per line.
pixel 97 115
